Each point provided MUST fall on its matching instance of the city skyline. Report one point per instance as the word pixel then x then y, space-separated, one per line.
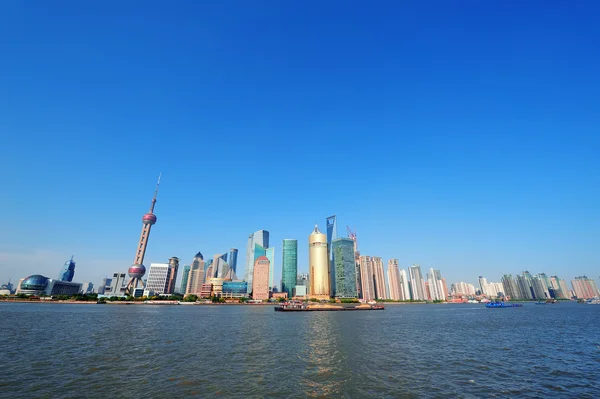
pixel 468 143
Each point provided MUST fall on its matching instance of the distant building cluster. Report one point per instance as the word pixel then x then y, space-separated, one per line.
pixel 336 270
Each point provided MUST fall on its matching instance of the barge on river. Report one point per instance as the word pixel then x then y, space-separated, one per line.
pixel 298 306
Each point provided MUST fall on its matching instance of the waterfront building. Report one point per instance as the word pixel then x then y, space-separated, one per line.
pixel 437 285
pixel 195 277
pixel 87 288
pixel 331 227
pixel 318 265
pixel 184 279
pixel 462 289
pixel 220 267
pixel 490 289
pixel 260 281
pixel 172 275
pixel 208 270
pixel 366 277
pixel 40 285
pixel 510 287
pixel 289 266
pixel 118 285
pixel 259 251
pixel 138 270
pixel 352 236
pixel 539 288
pixel 379 279
pixel 559 287
pixel 68 271
pixel 261 238
pixel 394 279
pixel 417 284
pixel 206 290
pixel 525 283
pixel 585 288
pixel 342 250
pixel 104 285
pixel 299 291
pixel 234 289
pixel 233 255
pixel 8 287
pixel 303 279
pixel 404 286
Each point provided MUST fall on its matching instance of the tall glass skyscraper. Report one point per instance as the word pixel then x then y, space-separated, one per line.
pixel 184 279
pixel 289 269
pixel 331 223
pixel 233 253
pixel 260 237
pixel 68 271
pixel 342 250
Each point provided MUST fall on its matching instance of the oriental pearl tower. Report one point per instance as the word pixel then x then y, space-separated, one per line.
pixel 137 270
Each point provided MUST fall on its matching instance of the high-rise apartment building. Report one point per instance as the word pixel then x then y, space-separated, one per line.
pixel 342 250
pixel 318 265
pixel 379 278
pixel 394 280
pixel 510 287
pixel 261 238
pixel 417 284
pixel 366 277
pixel 585 287
pixel 436 285
pixel 462 289
pixel 289 268
pixel 525 283
pixel 184 279
pixel 260 281
pixel 404 286
pixel 68 271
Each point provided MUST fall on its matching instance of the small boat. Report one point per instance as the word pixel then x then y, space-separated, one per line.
pixel 503 305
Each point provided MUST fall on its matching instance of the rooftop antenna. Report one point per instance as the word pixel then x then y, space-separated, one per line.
pixel 155 193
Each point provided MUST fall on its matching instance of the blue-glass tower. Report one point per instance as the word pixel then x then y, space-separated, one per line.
pixel 233 253
pixel 342 250
pixel 289 272
pixel 68 271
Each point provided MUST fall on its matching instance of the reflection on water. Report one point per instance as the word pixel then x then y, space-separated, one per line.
pixel 113 351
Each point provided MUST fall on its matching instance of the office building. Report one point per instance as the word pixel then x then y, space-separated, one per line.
pixel 342 250
pixel 68 271
pixel 87 288
pixel 234 289
pixel 161 280
pixel 289 268
pixel 259 251
pixel 331 228
pixel 299 291
pixel 184 279
pixel 220 266
pixel 172 275
pixel 118 285
pixel 318 265
pixel 233 255
pixel 260 281
pixel 261 238
pixel 195 277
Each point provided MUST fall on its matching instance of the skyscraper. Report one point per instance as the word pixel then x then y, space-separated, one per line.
pixel 289 268
pixel 196 275
pixel 318 265
pixel 366 278
pixel 342 250
pixel 172 275
pixel 220 267
pixel 394 280
pixel 417 284
pixel 233 254
pixel 260 289
pixel 260 237
pixel 137 270
pixel 585 287
pixel 436 284
pixel 379 278
pixel 331 224
pixel 404 286
pixel 184 279
pixel 156 283
pixel 68 271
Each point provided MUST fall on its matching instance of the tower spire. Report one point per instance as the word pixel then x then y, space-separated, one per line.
pixel 155 193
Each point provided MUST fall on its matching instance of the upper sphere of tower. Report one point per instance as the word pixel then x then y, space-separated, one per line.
pixel 149 218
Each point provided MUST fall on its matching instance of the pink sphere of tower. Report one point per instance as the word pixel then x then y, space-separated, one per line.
pixel 149 218
pixel 136 271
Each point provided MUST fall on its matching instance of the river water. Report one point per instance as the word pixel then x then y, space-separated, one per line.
pixel 411 351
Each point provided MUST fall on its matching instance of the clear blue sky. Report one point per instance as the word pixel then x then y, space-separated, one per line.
pixel 460 135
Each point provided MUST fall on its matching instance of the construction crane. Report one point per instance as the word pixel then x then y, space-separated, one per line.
pixel 351 234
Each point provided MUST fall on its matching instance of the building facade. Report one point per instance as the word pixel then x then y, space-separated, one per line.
pixel 289 266
pixel 184 279
pixel 394 280
pixel 260 237
pixel 260 281
pixel 68 271
pixel 417 284
pixel 318 265
pixel 233 255
pixel 195 277
pixel 342 250
pixel 379 279
pixel 366 278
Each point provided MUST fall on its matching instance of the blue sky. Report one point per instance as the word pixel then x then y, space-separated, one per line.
pixel 456 135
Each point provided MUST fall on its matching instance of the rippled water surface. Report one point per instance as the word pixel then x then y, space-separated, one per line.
pixel 117 351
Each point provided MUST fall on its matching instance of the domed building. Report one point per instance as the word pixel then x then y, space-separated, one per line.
pixel 38 285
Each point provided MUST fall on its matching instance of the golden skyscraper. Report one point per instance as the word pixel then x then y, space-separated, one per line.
pixel 318 265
